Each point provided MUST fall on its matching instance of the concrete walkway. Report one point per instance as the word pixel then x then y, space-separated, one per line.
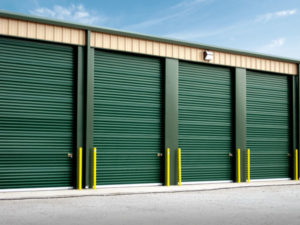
pixel 110 191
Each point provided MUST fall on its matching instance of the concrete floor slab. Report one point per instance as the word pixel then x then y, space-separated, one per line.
pixel 131 190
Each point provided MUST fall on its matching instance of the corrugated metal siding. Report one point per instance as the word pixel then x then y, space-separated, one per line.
pixel 67 35
pixel 26 29
pixel 268 118
pixel 36 114
pixel 205 122
pixel 128 118
pixel 156 48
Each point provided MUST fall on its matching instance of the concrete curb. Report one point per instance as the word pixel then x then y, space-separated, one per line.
pixel 116 191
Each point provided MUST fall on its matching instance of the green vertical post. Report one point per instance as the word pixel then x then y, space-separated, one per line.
pixel 79 109
pixel 298 116
pixel 89 129
pixel 294 125
pixel 240 122
pixel 171 117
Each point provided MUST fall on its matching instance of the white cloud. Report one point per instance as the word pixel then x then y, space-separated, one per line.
pixel 276 43
pixel 273 46
pixel 75 13
pixel 148 23
pixel 195 34
pixel 187 3
pixel 268 16
pixel 180 9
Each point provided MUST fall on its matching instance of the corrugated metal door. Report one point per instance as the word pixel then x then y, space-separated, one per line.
pixel 205 122
pixel 268 132
pixel 36 114
pixel 128 118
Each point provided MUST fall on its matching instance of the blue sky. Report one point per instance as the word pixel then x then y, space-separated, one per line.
pixel 264 26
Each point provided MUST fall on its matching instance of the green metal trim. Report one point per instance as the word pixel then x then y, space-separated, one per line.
pixel 171 117
pixel 293 124
pixel 6 14
pixel 240 121
pixel 89 129
pixel 79 108
pixel 298 115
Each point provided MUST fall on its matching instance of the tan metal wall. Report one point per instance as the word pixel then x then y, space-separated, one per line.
pixel 32 30
pixel 25 29
pixel 128 44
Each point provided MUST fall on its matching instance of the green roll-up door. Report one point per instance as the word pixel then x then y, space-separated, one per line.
pixel 205 122
pixel 268 132
pixel 36 114
pixel 128 118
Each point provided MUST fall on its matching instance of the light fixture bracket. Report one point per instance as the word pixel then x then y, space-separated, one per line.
pixel 208 55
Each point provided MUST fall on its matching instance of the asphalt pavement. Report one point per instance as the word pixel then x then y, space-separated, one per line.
pixel 235 206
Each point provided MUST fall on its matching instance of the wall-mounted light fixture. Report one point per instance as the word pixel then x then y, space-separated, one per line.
pixel 208 55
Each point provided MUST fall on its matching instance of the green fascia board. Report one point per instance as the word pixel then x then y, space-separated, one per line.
pixel 11 15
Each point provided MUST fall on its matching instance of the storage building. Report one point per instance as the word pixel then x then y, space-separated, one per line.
pixel 84 106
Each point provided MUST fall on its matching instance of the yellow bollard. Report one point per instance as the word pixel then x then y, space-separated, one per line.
pixel 179 166
pixel 95 168
pixel 80 169
pixel 248 165
pixel 239 165
pixel 297 168
pixel 168 167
